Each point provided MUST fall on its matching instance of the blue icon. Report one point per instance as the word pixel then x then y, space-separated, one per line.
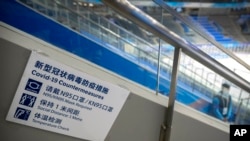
pixel 33 86
pixel 22 114
pixel 27 100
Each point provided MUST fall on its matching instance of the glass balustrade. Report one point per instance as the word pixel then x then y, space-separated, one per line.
pixel 192 74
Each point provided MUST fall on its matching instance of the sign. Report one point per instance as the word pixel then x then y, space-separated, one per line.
pixel 58 98
pixel 239 132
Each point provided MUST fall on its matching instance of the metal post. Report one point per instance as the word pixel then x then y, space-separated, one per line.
pixel 215 80
pixel 237 114
pixel 56 11
pixel 46 7
pixel 241 91
pixel 207 78
pixel 244 116
pixel 78 17
pixel 167 125
pixel 67 14
pixel 159 59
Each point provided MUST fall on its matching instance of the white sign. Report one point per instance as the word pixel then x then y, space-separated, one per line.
pixel 58 98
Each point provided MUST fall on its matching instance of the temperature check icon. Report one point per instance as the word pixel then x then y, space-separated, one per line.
pixel 33 86
pixel 22 114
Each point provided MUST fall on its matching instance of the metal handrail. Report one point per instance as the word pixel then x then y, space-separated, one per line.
pixel 116 35
pixel 203 34
pixel 145 21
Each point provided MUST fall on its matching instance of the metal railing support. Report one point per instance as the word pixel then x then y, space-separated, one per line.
pixel 159 60
pixel 167 125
